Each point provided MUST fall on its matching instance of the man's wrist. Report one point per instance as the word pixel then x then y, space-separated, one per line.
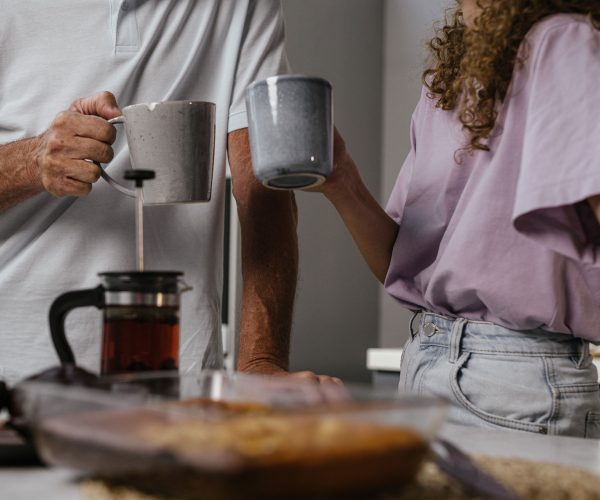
pixel 32 167
pixel 263 366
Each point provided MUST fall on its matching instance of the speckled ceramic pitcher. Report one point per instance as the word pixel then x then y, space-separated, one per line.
pixel 176 139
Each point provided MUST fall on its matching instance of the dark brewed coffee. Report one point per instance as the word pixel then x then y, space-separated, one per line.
pixel 140 338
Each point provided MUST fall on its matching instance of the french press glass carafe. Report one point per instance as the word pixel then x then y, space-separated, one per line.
pixel 141 320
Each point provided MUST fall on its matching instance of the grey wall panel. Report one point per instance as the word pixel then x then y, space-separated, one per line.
pixel 336 317
pixel 373 53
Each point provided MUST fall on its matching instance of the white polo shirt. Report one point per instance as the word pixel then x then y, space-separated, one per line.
pixel 141 50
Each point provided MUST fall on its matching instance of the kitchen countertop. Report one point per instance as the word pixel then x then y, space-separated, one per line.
pixel 575 452
pixel 59 484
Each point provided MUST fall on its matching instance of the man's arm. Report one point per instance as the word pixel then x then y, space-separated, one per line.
pixel 18 173
pixel 55 161
pixel 268 221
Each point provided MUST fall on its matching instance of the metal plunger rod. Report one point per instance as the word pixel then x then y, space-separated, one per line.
pixel 139 227
pixel 139 176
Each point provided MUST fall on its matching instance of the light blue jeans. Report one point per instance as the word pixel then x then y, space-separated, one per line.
pixel 534 380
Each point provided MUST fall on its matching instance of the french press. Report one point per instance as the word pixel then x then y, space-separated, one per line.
pixel 141 312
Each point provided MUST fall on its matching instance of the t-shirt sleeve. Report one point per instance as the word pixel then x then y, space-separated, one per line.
pixel 262 54
pixel 397 200
pixel 560 165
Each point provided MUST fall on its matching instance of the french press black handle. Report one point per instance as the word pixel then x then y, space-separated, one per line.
pixel 61 306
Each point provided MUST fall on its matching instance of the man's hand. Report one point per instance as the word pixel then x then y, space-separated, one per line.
pixel 272 369
pixel 77 137
pixel 313 377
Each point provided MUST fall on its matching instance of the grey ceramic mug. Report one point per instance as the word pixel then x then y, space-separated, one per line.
pixel 290 123
pixel 176 139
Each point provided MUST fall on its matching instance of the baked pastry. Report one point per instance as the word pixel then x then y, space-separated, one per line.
pixel 207 449
pixel 285 455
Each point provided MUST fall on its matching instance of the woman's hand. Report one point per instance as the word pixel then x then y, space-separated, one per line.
pixel 344 171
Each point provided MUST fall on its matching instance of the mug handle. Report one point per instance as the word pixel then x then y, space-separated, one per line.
pixel 61 306
pixel 119 120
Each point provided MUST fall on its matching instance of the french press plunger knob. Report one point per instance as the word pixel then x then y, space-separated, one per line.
pixel 139 176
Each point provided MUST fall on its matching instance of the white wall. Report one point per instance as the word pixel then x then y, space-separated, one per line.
pixel 408 26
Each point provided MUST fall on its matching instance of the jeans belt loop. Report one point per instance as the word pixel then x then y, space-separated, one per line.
pixel 411 329
pixel 584 353
pixel 455 337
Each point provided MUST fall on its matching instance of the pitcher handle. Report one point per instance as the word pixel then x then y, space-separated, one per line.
pixel 61 306
pixel 119 120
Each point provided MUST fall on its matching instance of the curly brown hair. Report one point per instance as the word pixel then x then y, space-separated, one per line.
pixel 471 68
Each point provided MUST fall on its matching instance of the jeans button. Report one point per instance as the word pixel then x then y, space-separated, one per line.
pixel 429 329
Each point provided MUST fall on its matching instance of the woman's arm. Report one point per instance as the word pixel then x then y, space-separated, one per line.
pixel 373 230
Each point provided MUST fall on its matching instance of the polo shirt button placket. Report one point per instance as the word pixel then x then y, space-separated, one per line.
pixel 127 37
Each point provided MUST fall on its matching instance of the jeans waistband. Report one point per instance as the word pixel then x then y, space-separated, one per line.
pixel 480 336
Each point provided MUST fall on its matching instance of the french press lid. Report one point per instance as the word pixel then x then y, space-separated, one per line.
pixel 150 288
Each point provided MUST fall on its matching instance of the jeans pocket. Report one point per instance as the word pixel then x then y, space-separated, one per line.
pixel 505 391
pixel 592 425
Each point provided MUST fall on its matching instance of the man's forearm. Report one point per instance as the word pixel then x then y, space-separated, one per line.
pixel 269 270
pixel 18 179
pixel 268 221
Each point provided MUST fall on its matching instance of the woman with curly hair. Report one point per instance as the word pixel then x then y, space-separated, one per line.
pixel 492 231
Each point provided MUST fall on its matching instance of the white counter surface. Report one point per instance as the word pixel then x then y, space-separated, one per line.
pixel 57 484
pixel 385 360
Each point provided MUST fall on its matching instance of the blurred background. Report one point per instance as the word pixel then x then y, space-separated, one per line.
pixel 373 52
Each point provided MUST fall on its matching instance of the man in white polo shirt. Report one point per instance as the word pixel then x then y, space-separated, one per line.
pixel 57 232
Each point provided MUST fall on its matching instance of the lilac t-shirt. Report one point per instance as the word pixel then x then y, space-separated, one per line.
pixel 506 236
